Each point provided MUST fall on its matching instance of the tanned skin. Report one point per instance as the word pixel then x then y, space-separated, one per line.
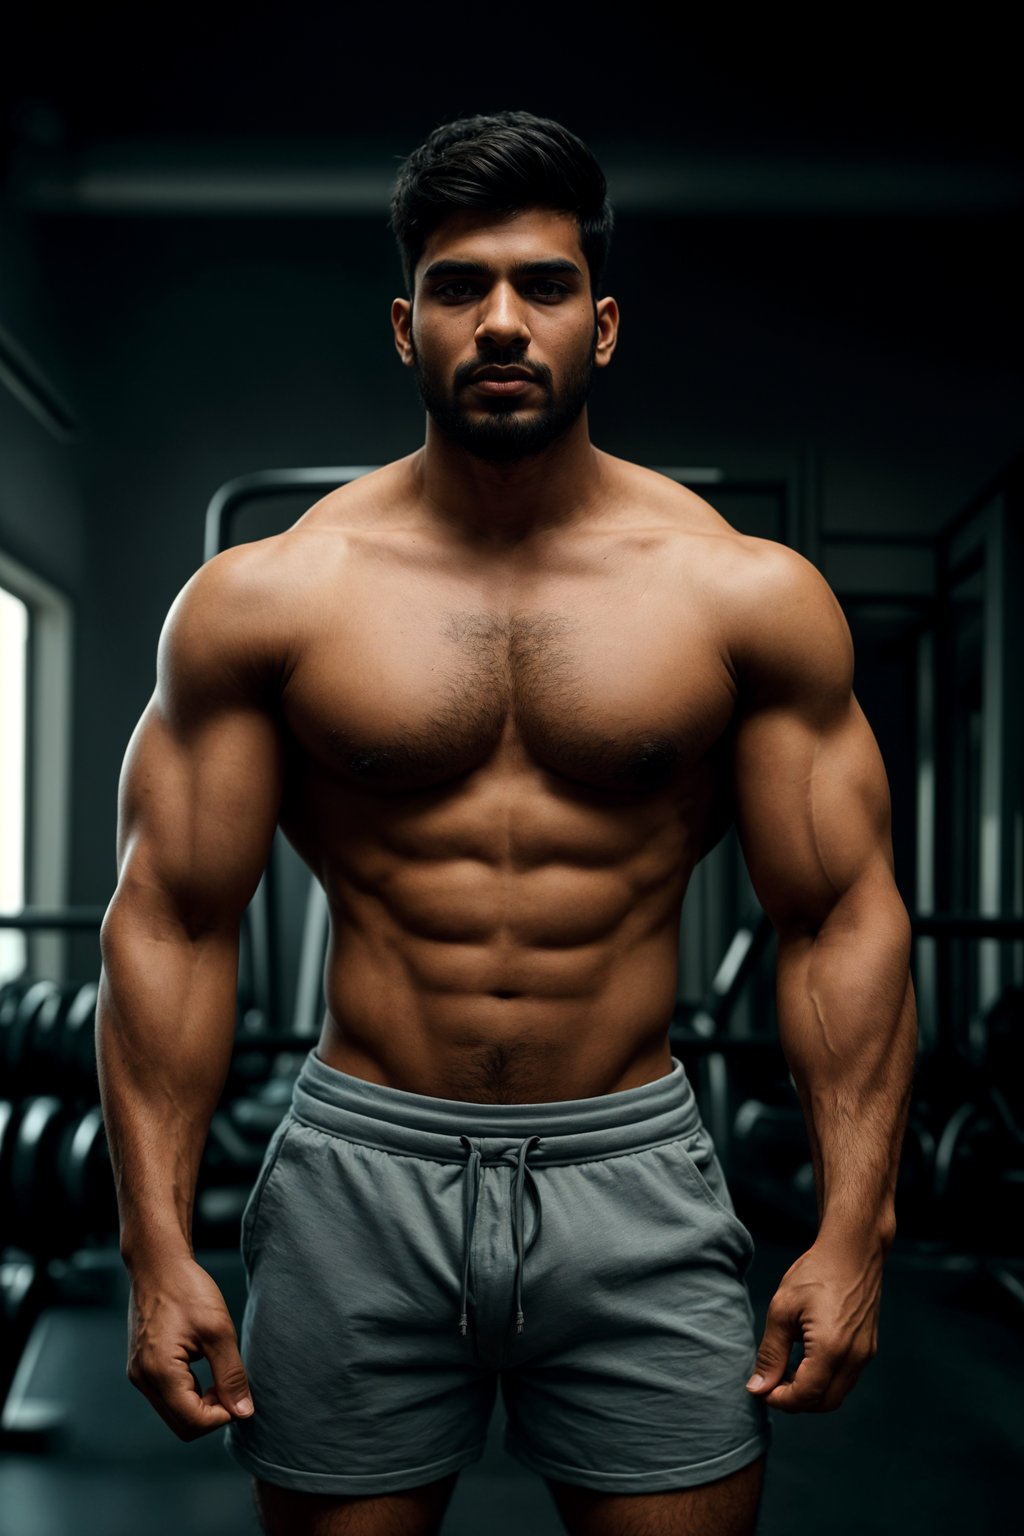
pixel 501 709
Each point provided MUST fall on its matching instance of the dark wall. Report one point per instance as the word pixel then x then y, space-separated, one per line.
pixel 42 522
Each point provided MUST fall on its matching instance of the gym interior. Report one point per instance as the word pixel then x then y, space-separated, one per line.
pixel 818 270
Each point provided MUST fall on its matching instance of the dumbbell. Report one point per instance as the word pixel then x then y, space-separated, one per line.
pixel 87 1180
pixel 9 1116
pixel 43 1043
pixel 76 1063
pixel 34 1213
pixel 59 1185
pixel 47 1040
pixel 14 1022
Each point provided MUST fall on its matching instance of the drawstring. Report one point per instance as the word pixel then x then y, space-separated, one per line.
pixel 471 1186
pixel 518 1224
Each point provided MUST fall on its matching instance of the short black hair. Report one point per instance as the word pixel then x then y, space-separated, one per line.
pixel 501 162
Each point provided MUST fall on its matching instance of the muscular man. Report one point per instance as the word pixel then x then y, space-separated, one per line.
pixel 502 695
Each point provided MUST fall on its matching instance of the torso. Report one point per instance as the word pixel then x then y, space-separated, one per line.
pixel 503 769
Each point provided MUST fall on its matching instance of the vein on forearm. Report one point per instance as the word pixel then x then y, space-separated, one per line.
pixel 164 1036
pixel 848 1029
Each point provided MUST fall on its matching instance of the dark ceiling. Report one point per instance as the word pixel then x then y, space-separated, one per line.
pixel 369 83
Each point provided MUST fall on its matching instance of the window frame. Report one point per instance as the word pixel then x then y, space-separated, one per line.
pixel 48 736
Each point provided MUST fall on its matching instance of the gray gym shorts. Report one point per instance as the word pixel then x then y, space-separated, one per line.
pixel 404 1253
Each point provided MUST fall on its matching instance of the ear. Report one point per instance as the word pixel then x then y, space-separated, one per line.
pixel 401 324
pixel 607 331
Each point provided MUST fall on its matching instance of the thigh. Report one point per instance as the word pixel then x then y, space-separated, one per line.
pixel 412 1512
pixel 726 1507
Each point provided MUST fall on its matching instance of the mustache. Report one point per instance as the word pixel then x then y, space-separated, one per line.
pixel 537 371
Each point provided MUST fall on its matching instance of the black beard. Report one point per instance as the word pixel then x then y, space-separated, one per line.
pixel 506 433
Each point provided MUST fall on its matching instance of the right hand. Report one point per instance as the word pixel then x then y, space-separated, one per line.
pixel 177 1315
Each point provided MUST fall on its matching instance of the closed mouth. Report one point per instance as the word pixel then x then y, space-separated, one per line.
pixel 502 375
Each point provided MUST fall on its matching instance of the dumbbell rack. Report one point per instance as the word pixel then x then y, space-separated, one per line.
pixel 58 1209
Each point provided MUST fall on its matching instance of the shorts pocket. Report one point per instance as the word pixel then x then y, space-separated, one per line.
pixel 700 1161
pixel 250 1215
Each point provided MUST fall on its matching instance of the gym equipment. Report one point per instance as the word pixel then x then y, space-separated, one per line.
pixel 47 1038
pixel 964 1145
pixel 20 1005
pixel 9 1115
pixel 43 1044
pixel 979 1161
pixel 59 1190
pixel 76 1062
pixel 34 1180
pixel 86 1180
pixel 706 1035
pixel 24 1291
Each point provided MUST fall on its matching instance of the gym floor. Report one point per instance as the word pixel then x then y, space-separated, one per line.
pixel 928 1441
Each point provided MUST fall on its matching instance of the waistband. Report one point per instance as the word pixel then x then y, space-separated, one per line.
pixel 569 1130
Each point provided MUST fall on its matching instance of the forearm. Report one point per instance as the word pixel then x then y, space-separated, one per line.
pixel 848 1027
pixel 165 1027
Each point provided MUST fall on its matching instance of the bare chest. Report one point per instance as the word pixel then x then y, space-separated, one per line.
pixel 412 687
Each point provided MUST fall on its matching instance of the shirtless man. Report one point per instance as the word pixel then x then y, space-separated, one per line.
pixel 502 695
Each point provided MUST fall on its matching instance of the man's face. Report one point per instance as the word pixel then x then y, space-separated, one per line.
pixel 493 293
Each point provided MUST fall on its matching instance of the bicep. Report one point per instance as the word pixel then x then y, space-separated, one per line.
pixel 202 778
pixel 812 811
pixel 811 794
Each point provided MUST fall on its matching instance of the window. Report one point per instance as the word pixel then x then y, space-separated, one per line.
pixel 36 634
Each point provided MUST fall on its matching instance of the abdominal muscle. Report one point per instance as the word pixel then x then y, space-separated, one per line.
pixel 511 939
pixel 488 986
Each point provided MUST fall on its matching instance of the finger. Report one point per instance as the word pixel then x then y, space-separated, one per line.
pixel 229 1374
pixel 843 1382
pixel 773 1352
pixel 833 1398
pixel 175 1395
pixel 209 1397
pixel 806 1391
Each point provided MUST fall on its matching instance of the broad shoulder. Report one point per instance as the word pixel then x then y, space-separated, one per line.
pixel 275 577
pixel 657 503
pixel 788 639
pixel 238 586
pixel 737 569
pixel 232 622
pixel 253 597
pixel 778 623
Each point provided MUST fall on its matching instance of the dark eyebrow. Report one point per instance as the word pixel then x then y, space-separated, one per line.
pixel 453 268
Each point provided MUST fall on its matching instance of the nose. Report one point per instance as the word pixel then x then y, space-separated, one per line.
pixel 502 320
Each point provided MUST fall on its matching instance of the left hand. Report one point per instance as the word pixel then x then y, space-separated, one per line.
pixel 830 1298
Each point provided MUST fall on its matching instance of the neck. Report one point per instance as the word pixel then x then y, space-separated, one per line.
pixel 500 504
